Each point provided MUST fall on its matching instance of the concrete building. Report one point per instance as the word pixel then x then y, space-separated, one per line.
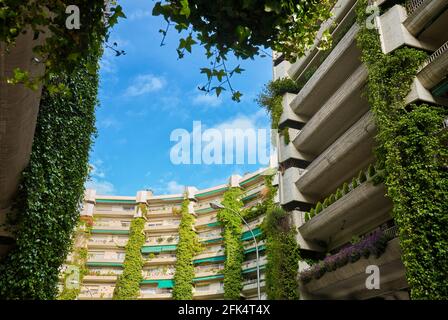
pixel 112 215
pixel 332 132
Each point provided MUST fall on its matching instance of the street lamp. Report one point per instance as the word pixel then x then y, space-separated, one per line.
pixel 217 205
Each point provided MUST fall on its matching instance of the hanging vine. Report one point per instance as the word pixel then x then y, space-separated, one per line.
pixel 243 30
pixel 128 283
pixel 71 291
pixel 412 150
pixel 51 189
pixel 234 251
pixel 187 248
pixel 282 250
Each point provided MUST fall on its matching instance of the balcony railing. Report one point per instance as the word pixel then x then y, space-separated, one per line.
pixel 436 54
pixel 109 241
pixel 391 233
pixel 412 5
pixel 162 240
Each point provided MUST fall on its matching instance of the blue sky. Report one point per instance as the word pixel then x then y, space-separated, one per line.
pixel 147 93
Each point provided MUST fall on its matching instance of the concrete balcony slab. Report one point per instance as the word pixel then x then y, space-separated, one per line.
pixel 355 213
pixel 348 282
pixel 337 67
pixel 344 108
pixel 341 161
pixel 423 15
pixel 394 34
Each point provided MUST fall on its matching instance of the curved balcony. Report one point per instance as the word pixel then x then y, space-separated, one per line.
pixel 162 259
pixel 98 278
pixel 427 19
pixel 154 227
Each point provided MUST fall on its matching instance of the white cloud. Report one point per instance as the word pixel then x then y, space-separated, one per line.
pixel 242 130
pixel 97 179
pixel 108 123
pixel 174 187
pixel 208 100
pixel 145 83
pixel 101 187
pixel 139 14
pixel 96 169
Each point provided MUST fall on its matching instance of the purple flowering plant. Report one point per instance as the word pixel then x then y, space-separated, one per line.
pixel 373 244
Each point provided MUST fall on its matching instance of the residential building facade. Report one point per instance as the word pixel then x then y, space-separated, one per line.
pixel 110 218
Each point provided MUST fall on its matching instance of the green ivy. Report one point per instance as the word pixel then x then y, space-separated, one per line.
pixel 234 250
pixel 370 174
pixel 187 248
pixel 52 187
pixel 243 28
pixel 271 100
pixel 79 260
pixel 282 252
pixel 63 50
pixel 128 283
pixel 412 151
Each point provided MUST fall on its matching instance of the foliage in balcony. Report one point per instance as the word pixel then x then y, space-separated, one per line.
pixel 370 174
pixel 412 150
pixel 282 251
pixel 79 261
pixel 242 29
pixel 267 197
pixel 187 248
pixel 234 250
pixel 64 50
pixel 52 187
pixel 128 283
pixel 374 244
pixel 271 100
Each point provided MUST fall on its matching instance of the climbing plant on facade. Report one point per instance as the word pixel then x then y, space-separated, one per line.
pixel 187 248
pixel 77 266
pixel 234 251
pixel 282 250
pixel 242 29
pixel 412 150
pixel 271 100
pixel 52 188
pixel 128 283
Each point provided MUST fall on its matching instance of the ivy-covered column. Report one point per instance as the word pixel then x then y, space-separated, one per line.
pixel 187 248
pixel 52 187
pixel 282 250
pixel 234 251
pixel 128 283
pixel 77 269
pixel 412 150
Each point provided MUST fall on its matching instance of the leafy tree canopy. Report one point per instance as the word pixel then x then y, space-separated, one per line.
pixel 243 28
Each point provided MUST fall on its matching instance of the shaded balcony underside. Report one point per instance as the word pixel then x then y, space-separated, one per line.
pixel 341 161
pixel 336 68
pixel 428 20
pixel 344 108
